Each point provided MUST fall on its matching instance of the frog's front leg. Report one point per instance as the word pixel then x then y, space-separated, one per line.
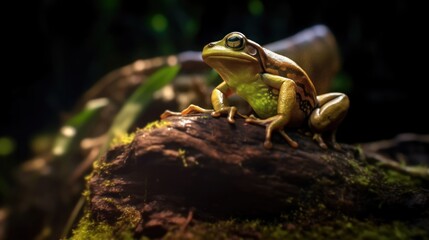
pixel 219 100
pixel 328 116
pixel 285 105
pixel 192 108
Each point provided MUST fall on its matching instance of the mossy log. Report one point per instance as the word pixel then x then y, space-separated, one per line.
pixel 196 168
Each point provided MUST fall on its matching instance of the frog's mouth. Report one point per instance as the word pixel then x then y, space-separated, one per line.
pixel 236 57
pixel 227 58
pixel 215 53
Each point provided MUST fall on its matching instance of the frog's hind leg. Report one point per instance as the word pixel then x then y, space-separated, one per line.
pixel 191 109
pixel 276 122
pixel 287 96
pixel 328 116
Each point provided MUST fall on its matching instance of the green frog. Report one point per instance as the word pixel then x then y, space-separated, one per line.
pixel 279 92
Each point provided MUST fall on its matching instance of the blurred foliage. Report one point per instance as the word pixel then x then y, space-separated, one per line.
pixel 342 83
pixel 7 154
pixel 7 146
pixel 70 134
pixel 137 103
pixel 256 7
pixel 159 23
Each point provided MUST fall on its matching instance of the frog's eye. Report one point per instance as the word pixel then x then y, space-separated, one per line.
pixel 235 42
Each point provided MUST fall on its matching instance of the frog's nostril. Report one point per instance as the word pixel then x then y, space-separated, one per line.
pixel 210 44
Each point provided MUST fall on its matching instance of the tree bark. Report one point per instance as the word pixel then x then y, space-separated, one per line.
pixel 209 169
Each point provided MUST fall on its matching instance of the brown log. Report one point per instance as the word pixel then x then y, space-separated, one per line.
pixel 207 169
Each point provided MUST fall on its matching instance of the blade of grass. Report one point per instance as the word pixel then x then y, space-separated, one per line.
pixel 138 102
pixel 71 133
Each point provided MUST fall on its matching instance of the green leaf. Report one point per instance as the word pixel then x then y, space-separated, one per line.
pixel 70 134
pixel 138 102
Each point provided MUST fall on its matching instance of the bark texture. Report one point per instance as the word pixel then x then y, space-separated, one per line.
pixel 199 168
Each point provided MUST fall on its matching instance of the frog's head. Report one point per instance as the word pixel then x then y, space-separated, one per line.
pixel 233 53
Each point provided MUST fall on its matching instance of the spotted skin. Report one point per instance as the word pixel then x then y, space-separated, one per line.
pixel 305 92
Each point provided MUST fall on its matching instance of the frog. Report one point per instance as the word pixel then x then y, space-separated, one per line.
pixel 279 91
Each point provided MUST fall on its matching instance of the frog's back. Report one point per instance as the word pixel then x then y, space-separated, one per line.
pixel 282 66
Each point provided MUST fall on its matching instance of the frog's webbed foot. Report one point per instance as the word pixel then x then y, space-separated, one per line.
pixel 273 123
pixel 192 108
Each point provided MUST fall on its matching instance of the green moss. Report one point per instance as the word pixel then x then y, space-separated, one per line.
pixel 99 166
pixel 339 228
pixel 363 180
pixel 395 177
pixel 186 161
pixel 155 124
pixel 122 229
pixel 122 139
pixel 344 228
pixel 364 173
pixel 367 174
pixel 182 156
pixel 205 116
pixel 107 183
pixel 88 229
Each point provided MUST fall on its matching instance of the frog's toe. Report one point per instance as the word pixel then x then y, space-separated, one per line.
pixel 250 118
pixel 336 146
pixel 318 138
pixel 169 113
pixel 258 121
pixel 215 114
pixel 289 140
pixel 268 144
pixel 231 119
pixel 231 111
pixel 323 145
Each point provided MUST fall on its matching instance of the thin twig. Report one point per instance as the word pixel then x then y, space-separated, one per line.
pixel 188 220
pixel 72 218
pixel 416 171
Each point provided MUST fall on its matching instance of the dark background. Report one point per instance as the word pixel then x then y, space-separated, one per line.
pixel 59 48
